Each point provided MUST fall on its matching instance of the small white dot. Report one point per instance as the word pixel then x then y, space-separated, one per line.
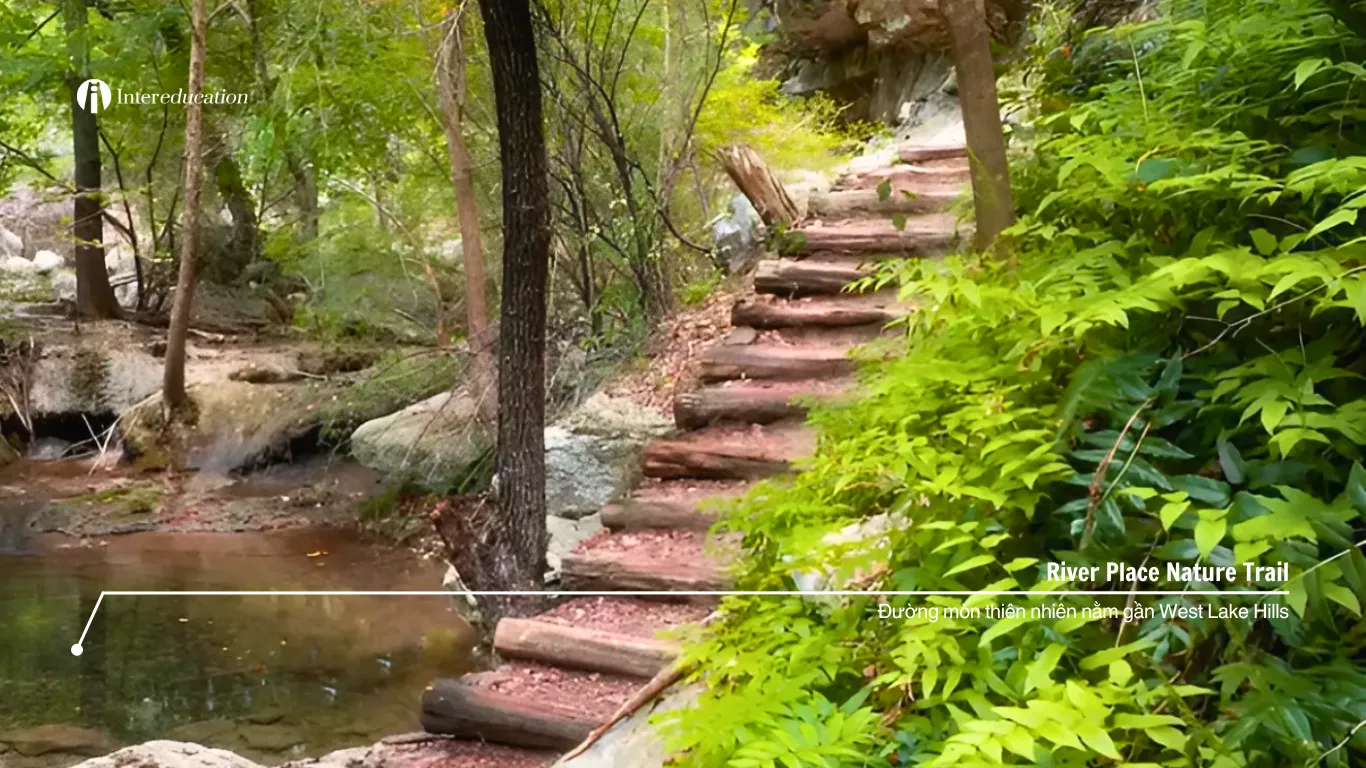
pixel 77 650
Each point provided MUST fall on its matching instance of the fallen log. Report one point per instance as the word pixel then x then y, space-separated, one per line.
pixel 921 236
pixel 750 402
pixel 579 648
pixel 841 204
pixel 757 182
pixel 910 177
pixel 721 453
pixel 927 153
pixel 773 361
pixel 808 277
pixel 635 515
pixel 850 310
pixel 626 571
pixel 456 708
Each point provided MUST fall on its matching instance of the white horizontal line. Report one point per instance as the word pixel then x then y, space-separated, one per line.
pixel 75 649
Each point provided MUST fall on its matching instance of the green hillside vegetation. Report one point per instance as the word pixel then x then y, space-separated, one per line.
pixel 1164 367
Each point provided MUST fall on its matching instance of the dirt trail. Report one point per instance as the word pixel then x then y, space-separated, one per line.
pixel 788 345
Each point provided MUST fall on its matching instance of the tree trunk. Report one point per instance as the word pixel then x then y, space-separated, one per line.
pixel 173 384
pixel 757 182
pixel 244 242
pixel 981 119
pixel 450 68
pixel 519 558
pixel 94 295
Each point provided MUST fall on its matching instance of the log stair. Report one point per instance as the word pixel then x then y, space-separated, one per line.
pixel 570 667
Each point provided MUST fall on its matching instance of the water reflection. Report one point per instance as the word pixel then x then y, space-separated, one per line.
pixel 268 676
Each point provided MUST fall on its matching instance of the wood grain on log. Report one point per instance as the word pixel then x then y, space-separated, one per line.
pixel 840 204
pixel 751 402
pixel 757 182
pixel 809 277
pixel 772 361
pixel 921 154
pixel 456 708
pixel 849 310
pixel 910 177
pixel 580 648
pixel 728 453
pixel 635 515
pixel 621 571
pixel 921 236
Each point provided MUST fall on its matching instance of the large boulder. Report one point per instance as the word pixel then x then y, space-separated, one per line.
pixel 432 441
pixel 169 754
pixel 56 738
pixel 592 456
pixel 635 741
pixel 235 424
pixel 92 378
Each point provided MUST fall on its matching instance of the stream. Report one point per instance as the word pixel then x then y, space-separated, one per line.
pixel 270 677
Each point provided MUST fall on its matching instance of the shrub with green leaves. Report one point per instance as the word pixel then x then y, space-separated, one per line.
pixel 1165 367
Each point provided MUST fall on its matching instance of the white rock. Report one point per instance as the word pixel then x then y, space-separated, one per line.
pixel 17 265
pixel 46 261
pixel 10 243
pixel 169 754
pixel 635 741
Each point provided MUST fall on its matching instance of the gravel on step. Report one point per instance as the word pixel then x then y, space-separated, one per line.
pixel 452 753
pixel 624 616
pixel 595 694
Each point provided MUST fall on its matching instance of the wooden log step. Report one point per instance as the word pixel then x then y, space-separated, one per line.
pixel 582 648
pixel 913 178
pixel 729 453
pixel 651 561
pixel 821 275
pixel 752 402
pixel 465 710
pixel 912 153
pixel 763 311
pixel 922 235
pixel 722 362
pixel 841 204
pixel 685 504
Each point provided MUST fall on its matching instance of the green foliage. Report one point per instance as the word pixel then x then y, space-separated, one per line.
pixel 1165 371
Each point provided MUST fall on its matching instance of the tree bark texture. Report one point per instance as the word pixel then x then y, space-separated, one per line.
pixel 981 119
pixel 173 383
pixel 751 174
pixel 520 541
pixel 94 296
pixel 451 90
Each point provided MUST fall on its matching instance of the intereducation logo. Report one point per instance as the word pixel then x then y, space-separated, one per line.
pixel 96 92
pixel 95 95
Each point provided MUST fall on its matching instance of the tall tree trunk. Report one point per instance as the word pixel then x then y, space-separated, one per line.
pixel 305 195
pixel 173 384
pixel 517 556
pixel 450 70
pixel 244 241
pixel 94 295
pixel 981 118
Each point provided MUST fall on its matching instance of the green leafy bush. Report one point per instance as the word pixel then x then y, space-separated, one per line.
pixel 1165 369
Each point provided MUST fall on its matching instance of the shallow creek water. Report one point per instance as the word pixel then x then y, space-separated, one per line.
pixel 271 677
